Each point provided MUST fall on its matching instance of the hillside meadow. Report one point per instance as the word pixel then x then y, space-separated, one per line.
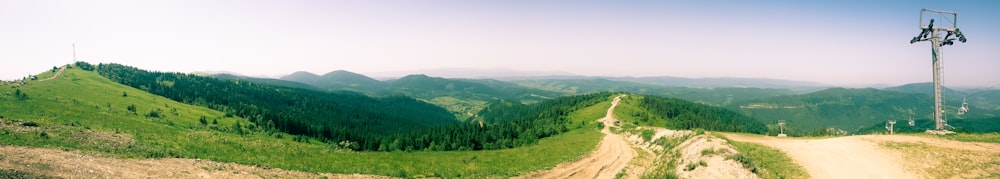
pixel 80 110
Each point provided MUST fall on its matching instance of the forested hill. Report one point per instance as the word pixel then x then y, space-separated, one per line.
pixel 720 96
pixel 679 114
pixel 327 116
pixel 463 97
pixel 986 98
pixel 846 109
pixel 423 86
pixel 268 81
pixel 511 125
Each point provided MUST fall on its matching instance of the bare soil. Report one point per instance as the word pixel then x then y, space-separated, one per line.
pixel 707 155
pixel 52 163
pixel 866 157
pixel 611 157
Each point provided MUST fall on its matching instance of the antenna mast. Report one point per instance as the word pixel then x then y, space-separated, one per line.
pixel 936 57
pixel 74 53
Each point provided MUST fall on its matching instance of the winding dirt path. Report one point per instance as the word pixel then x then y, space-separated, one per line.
pixel 55 75
pixel 841 157
pixel 611 157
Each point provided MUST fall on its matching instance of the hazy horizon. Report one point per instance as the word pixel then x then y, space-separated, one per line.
pixel 847 43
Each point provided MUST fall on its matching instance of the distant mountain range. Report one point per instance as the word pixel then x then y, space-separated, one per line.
pixel 485 73
pixel 986 98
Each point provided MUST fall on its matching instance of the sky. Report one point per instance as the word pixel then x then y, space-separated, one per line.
pixel 833 42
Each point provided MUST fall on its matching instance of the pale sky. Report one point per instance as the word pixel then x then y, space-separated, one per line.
pixel 833 42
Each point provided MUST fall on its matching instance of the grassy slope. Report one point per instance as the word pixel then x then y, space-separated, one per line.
pixel 773 162
pixel 84 101
pixel 628 108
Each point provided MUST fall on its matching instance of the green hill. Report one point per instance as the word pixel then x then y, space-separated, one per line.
pixel 273 82
pixel 679 114
pixel 367 124
pixel 339 80
pixel 985 98
pixel 462 97
pixel 82 110
pixel 328 116
pixel 713 96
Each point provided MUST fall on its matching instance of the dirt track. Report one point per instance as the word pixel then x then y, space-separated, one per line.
pixel 841 157
pixel 55 75
pixel 612 155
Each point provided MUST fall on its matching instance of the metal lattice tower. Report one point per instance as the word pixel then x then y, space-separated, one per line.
pixel 951 28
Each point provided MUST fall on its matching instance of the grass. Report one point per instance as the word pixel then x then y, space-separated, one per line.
pixel 82 103
pixel 630 113
pixel 459 107
pixel 592 113
pixel 940 162
pixel 765 161
pixel 965 137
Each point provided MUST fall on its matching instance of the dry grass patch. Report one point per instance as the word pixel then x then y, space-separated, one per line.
pixel 940 162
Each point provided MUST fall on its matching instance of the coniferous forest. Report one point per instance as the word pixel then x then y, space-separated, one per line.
pixel 688 115
pixel 356 121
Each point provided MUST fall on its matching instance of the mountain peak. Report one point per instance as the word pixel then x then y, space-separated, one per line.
pixel 302 73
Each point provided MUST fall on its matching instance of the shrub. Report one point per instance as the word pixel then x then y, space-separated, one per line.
pixel 157 113
pixel 203 120
pixel 29 124
pixel 647 135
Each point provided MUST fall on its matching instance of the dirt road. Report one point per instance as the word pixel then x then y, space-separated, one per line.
pixel 55 75
pixel 841 157
pixel 612 155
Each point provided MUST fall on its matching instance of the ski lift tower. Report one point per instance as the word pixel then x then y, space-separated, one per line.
pixel 781 127
pixel 927 27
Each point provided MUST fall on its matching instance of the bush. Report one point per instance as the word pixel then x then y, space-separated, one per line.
pixel 647 135
pixel 157 113
pixel 203 120
pixel 85 66
pixel 30 124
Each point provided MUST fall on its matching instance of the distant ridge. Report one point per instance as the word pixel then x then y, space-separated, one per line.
pixel 692 82
pixel 337 80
